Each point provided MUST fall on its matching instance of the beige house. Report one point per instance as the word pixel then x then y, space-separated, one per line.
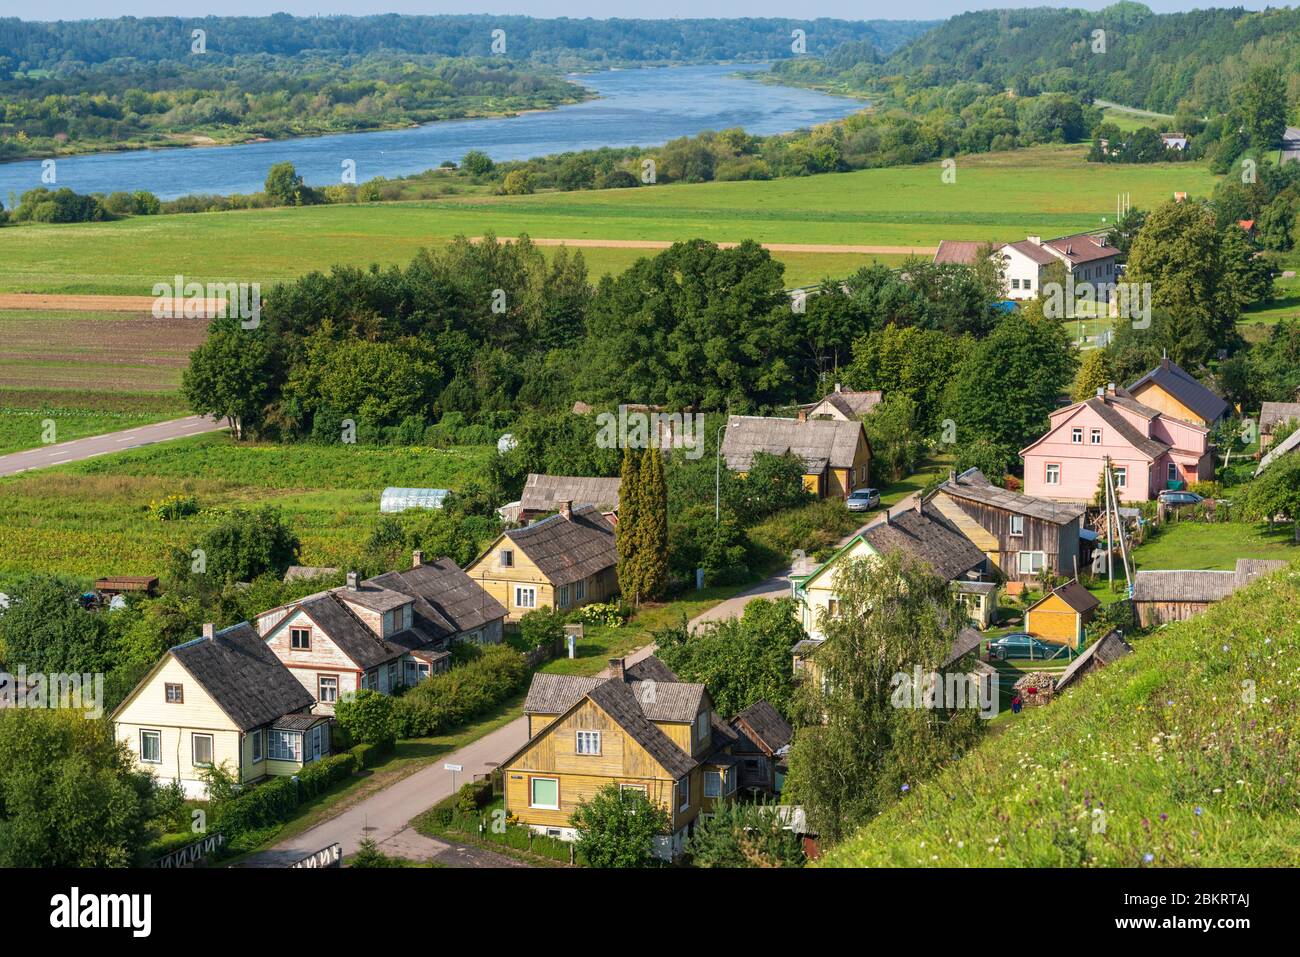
pixel 221 700
pixel 560 562
pixel 845 405
pixel 835 453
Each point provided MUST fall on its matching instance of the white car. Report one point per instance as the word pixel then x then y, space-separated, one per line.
pixel 862 500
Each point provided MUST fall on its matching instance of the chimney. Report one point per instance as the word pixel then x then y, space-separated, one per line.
pixel 803 415
pixel 352 581
pixel 417 558
pixel 1110 388
pixel 919 503
pixel 1036 240
pixel 1164 362
pixel 566 510
pixel 209 630
pixel 837 387
pixel 1101 391
pixel 616 669
pixel 952 476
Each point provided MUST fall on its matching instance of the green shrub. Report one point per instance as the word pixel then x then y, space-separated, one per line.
pixel 366 755
pixel 610 613
pixel 320 776
pixel 367 718
pixel 541 626
pixel 461 694
pixel 262 806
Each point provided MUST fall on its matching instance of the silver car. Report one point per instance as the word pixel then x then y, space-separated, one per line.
pixel 863 500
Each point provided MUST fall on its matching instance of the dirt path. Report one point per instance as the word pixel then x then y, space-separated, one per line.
pixel 85 303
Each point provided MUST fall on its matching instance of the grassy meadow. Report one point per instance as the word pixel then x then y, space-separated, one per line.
pixel 1043 191
pixel 92 518
pixel 1185 767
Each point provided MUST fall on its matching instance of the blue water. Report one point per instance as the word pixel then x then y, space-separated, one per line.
pixel 636 107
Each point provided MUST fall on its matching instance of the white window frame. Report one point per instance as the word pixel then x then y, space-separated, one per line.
pixel 1048 474
pixel 1076 435
pixel 564 596
pixel 157 734
pixel 683 800
pixel 1031 570
pixel 643 789
pixel 525 590
pixel 320 689
pixel 592 738
pixel 258 747
pixel 294 750
pixel 710 789
pixel 532 794
pixel 1094 436
pixel 195 737
pixel 167 692
pixel 1018 526
pixel 1121 476
pixel 1171 471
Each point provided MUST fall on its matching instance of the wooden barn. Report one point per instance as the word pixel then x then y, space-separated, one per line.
pixel 1062 614
pixel 1176 595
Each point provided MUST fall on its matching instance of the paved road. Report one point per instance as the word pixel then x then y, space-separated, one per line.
pixel 79 449
pixel 384 816
pixel 1291 144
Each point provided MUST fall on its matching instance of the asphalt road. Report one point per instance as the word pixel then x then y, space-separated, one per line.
pixel 78 449
pixel 1291 144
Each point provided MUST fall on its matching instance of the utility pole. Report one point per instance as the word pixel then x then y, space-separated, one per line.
pixel 1110 570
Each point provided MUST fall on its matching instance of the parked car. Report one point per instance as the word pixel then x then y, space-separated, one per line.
pixel 1175 499
pixel 1021 644
pixel 863 500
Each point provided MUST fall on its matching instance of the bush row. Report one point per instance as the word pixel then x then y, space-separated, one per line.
pixel 273 802
pixel 461 694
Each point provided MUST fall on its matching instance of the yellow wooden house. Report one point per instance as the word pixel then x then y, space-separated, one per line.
pixel 638 727
pixel 1062 615
pixel 835 453
pixel 222 700
pixel 1174 392
pixel 559 562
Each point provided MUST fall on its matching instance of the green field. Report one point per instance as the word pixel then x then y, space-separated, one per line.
pixel 1043 191
pixel 92 518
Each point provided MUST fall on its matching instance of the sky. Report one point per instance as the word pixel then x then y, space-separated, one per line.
pixel 645 9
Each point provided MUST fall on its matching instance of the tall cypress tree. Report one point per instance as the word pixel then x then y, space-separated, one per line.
pixel 627 535
pixel 653 515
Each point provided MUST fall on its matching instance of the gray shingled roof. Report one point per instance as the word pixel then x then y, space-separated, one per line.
pixel 447 601
pixel 1276 413
pixel 1074 595
pixel 973 486
pixel 616 698
pixel 818 442
pixel 668 700
pixel 854 405
pixel 352 635
pixel 762 723
pixel 1152 448
pixel 1279 449
pixel 967 640
pixel 928 538
pixel 1184 387
pixel 1248 569
pixel 243 676
pixel 544 493
pixel 1193 586
pixel 556 694
pixel 650 668
pixel 374 597
pixel 568 550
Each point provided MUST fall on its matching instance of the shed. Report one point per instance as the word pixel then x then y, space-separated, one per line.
pixel 1097 655
pixel 1176 595
pixel 1062 614
pixel 400 499
pixel 121 584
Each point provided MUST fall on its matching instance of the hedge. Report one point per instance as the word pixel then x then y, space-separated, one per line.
pixel 273 802
pixel 320 776
pixel 447 700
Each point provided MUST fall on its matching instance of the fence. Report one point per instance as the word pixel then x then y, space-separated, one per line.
pixel 192 854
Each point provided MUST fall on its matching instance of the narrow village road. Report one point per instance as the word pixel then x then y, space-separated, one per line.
pixel 384 816
pixel 1290 145
pixel 77 450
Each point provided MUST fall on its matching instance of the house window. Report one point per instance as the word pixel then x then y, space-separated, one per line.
pixel 832 607
pixel 256 738
pixel 388 623
pixel 1053 474
pixel 1030 563
pixel 683 794
pixel 544 793
pixel 285 746
pixel 702 727
pixel 327 689
pixel 175 693
pixel 1121 477
pixel 1076 436
pixel 525 597
pixel 201 750
pixel 151 747
pixel 315 744
pixel 507 558
pixel 1015 284
pixel 1017 525
pixel 1029 284
pixel 580 590
pixel 392 675
pixel 300 639
pixel 1173 472
pixel 589 742
pixel 1094 436
pixel 564 596
pixel 641 788
pixel 712 784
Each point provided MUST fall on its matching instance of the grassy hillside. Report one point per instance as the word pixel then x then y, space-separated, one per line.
pixel 1044 191
pixel 1166 742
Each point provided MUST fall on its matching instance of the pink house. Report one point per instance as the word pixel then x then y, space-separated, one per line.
pixel 1147 450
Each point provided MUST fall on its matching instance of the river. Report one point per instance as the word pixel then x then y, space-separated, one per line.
pixel 635 107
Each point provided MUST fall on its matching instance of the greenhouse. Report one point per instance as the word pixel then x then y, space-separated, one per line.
pixel 400 499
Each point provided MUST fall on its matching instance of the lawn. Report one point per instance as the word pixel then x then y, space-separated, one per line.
pixel 1042 191
pixel 91 518
pixel 1214 545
